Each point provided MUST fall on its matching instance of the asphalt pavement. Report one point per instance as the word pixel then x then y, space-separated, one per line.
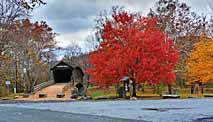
pixel 13 114
pixel 166 110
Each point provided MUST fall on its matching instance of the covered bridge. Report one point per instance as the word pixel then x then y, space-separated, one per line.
pixel 64 73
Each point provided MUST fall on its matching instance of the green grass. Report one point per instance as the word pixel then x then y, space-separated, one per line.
pixel 96 95
pixel 109 93
pixel 7 98
pixel 11 96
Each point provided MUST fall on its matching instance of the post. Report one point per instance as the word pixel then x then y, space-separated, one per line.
pixel 48 71
pixel 7 83
pixel 16 75
pixel 8 89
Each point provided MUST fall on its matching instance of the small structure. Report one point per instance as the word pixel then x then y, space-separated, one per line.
pixel 128 86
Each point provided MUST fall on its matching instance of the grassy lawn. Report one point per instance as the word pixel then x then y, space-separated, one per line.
pixel 110 93
pixel 11 96
pixel 97 93
pixel 102 95
pixel 184 93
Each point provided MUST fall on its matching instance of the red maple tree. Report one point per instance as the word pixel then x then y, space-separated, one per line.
pixel 132 46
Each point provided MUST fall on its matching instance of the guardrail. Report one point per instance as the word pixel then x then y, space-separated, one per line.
pixel 42 85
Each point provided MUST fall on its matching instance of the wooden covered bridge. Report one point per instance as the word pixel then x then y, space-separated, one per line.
pixel 66 80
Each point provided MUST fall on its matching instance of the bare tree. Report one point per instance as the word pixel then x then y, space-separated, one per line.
pixel 16 39
pixel 181 24
pixel 71 53
pixel 210 24
pixel 31 4
pixel 10 12
pixel 92 42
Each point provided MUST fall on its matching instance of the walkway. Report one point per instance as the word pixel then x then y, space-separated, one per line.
pixel 51 93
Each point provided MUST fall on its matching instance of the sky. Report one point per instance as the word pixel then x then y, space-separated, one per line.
pixel 74 20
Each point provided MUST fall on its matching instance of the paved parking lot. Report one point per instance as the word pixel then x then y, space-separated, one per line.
pixel 178 110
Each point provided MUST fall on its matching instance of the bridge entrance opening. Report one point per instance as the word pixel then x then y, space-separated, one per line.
pixel 62 72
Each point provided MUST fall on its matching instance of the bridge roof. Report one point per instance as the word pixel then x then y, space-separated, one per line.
pixel 62 65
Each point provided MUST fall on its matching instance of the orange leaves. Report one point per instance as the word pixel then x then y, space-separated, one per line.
pixel 200 63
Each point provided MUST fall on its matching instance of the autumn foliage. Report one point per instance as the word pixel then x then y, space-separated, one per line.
pixel 200 62
pixel 26 55
pixel 132 46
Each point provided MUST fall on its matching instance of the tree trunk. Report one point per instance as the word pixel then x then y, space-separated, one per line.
pixel 169 88
pixel 134 90
pixel 202 89
pixel 192 89
pixel 159 90
pixel 142 89
pixel 154 89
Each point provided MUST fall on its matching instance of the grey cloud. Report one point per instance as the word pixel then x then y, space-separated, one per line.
pixel 72 24
pixel 71 15
pixel 66 9
pixel 67 17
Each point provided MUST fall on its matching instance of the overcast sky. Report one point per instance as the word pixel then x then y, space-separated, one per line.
pixel 73 20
